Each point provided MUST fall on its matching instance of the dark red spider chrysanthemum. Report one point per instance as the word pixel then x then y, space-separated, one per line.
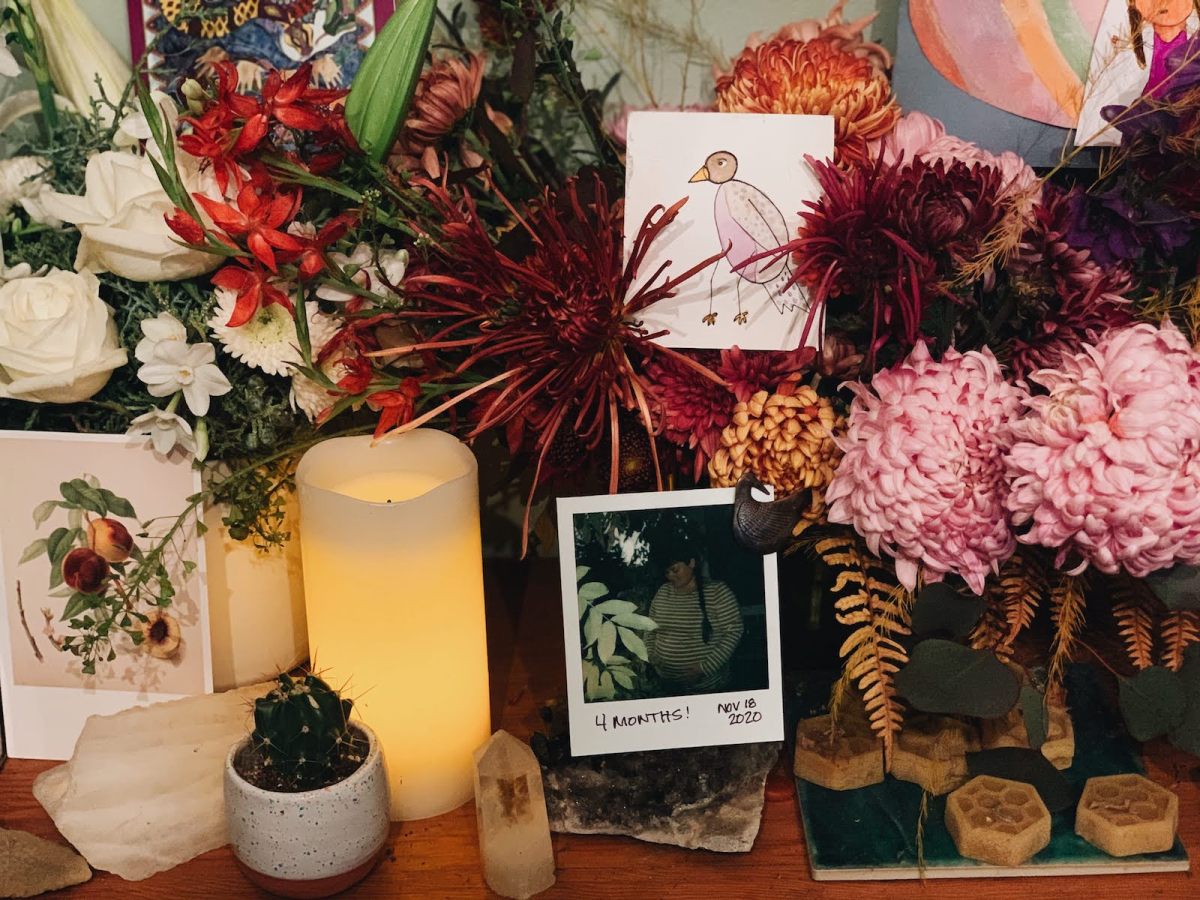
pixel 558 325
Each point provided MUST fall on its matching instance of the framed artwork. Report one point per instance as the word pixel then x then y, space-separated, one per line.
pixel 1129 59
pixel 1008 75
pixel 746 178
pixel 671 628
pixel 103 590
pixel 185 38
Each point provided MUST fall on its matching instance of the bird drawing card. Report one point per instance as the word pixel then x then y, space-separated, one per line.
pixel 186 39
pixel 746 178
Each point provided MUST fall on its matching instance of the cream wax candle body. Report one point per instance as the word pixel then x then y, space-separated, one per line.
pixel 393 582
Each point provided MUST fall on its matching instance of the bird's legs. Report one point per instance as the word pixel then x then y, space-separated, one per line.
pixel 741 316
pixel 711 318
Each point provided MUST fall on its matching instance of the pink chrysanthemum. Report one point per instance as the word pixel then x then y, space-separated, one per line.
pixel 1108 465
pixel 923 473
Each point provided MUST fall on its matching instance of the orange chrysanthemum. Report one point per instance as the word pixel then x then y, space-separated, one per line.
pixel 832 73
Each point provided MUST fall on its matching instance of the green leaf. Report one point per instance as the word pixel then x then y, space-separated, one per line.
pixel 79 603
pixel 635 644
pixel 607 643
pixel 607 689
pixel 78 492
pixel 59 544
pixel 591 628
pixel 633 620
pixel 945 677
pixel 33 551
pixel 593 590
pixel 940 608
pixel 616 607
pixel 43 511
pixel 383 88
pixel 581 573
pixel 623 677
pixel 1033 711
pixel 1153 702
pixel 1177 587
pixel 591 675
pixel 1187 735
pixel 117 506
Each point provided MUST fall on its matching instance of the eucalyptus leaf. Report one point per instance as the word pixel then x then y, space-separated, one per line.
pixel 1029 766
pixel 616 607
pixel 940 608
pixel 606 645
pixel 1186 736
pixel 635 644
pixel 33 551
pixel 593 590
pixel 1033 711
pixel 945 677
pixel 387 77
pixel 1177 587
pixel 633 620
pixel 1153 702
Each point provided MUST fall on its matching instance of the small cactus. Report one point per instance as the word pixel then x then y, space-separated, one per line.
pixel 302 731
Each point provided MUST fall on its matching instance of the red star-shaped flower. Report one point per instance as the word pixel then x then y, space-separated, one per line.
pixel 254 289
pixel 395 406
pixel 257 217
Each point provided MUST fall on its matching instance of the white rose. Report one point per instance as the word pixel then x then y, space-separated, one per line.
pixel 120 221
pixel 58 341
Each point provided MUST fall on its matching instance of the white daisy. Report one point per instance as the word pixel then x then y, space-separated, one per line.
pixel 392 265
pixel 312 398
pixel 268 341
pixel 166 431
pixel 190 368
pixel 163 327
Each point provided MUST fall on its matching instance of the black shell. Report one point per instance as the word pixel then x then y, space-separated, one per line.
pixel 766 527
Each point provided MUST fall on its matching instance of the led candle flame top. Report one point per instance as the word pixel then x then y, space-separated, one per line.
pixel 393 581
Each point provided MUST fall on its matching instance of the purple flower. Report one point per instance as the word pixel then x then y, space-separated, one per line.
pixel 1117 230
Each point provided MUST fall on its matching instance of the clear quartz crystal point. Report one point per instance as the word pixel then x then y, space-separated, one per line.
pixel 510 808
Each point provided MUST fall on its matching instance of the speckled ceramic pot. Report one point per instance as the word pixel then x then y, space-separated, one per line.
pixel 311 843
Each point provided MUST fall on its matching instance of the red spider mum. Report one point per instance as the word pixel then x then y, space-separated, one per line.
pixel 748 372
pixel 692 409
pixel 559 324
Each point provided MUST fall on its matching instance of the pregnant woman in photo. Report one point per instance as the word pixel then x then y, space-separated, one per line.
pixel 699 627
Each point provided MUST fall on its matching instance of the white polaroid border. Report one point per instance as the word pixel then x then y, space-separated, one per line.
pixel 45 722
pixel 693 720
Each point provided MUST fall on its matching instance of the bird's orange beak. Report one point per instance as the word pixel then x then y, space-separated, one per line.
pixel 701 175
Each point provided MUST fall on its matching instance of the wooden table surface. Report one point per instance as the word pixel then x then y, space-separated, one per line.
pixel 440 857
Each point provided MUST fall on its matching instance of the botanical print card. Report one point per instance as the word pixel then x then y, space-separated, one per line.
pixel 1132 57
pixel 746 179
pixel 186 38
pixel 103 593
pixel 671 627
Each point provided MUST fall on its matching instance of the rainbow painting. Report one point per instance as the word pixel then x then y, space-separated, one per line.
pixel 1027 57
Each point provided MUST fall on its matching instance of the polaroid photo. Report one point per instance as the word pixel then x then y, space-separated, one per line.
pixel 746 179
pixel 1133 54
pixel 80 632
pixel 671 627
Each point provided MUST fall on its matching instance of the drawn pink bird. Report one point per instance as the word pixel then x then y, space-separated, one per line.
pixel 748 224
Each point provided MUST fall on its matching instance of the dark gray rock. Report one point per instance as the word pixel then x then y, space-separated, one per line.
pixel 702 798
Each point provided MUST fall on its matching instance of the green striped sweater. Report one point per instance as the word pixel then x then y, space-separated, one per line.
pixel 678 643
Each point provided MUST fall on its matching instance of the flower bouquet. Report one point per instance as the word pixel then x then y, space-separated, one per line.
pixel 1005 402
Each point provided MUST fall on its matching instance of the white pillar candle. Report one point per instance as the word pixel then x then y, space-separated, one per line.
pixel 393 586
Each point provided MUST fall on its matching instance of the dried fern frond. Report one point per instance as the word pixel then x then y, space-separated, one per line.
pixel 1180 629
pixel 1012 602
pixel 1136 611
pixel 879 612
pixel 1067 602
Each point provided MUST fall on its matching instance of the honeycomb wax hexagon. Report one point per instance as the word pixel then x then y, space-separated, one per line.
pixel 931 751
pixel 840 759
pixel 997 821
pixel 1127 814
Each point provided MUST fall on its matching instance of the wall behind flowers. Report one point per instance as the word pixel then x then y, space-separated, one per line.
pixel 726 23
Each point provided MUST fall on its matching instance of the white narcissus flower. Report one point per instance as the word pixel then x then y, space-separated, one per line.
pixel 391 269
pixel 122 224
pixel 58 341
pixel 158 330
pixel 268 341
pixel 165 430
pixel 190 368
